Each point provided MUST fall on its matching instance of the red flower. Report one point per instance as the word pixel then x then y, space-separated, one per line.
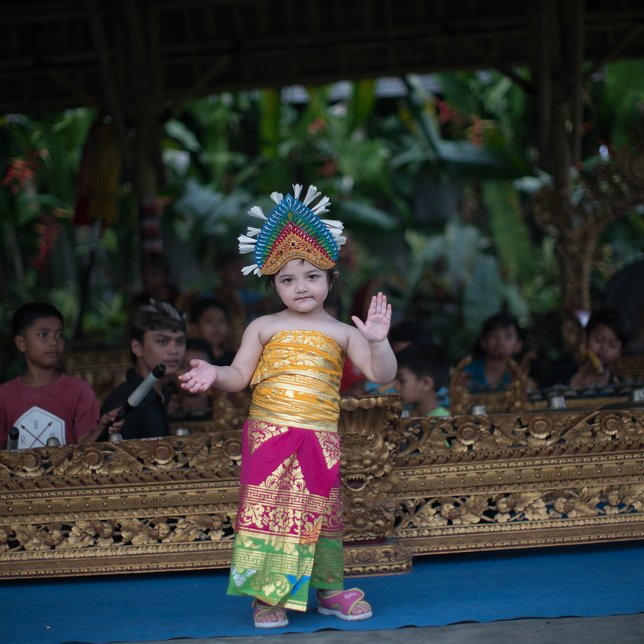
pixel 19 175
pixel 446 113
pixel 48 227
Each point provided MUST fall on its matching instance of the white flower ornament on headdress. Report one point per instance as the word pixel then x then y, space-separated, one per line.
pixel 293 229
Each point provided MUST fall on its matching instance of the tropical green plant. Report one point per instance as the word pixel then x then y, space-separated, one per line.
pixel 224 152
pixel 456 281
pixel 46 256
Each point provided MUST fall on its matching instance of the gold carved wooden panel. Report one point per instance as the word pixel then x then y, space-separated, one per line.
pixel 137 505
pixel 520 480
pixel 412 486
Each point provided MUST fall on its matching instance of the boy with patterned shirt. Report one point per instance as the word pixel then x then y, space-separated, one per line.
pixel 43 402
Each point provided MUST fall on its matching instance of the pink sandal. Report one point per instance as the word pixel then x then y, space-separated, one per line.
pixel 262 612
pixel 341 604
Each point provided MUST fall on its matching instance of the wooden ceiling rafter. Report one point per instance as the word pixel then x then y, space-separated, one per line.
pixel 49 60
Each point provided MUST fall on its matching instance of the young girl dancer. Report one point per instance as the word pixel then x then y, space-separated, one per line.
pixel 288 534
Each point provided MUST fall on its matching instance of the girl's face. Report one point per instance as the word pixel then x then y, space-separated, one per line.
pixel 213 326
pixel 302 287
pixel 501 343
pixel 604 343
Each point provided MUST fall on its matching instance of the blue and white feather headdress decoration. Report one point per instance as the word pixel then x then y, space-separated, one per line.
pixel 293 229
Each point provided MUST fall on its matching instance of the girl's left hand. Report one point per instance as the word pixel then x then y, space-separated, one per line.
pixel 376 326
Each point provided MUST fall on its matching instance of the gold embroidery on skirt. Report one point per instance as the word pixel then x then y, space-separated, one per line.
pixel 259 432
pixel 291 517
pixel 287 476
pixel 330 444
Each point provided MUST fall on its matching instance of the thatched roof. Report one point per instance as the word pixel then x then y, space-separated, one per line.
pixel 62 53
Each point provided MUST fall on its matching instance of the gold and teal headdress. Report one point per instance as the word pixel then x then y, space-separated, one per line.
pixel 292 230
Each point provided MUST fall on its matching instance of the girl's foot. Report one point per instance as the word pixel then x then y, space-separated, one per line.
pixel 345 604
pixel 267 616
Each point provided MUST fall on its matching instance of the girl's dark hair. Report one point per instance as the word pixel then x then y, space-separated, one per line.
pixel 27 314
pixel 203 304
pixel 615 319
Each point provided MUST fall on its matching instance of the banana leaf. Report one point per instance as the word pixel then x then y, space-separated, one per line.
pixel 509 229
pixel 363 103
pixel 361 216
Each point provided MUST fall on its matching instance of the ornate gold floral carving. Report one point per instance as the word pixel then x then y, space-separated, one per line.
pixel 412 486
pixel 529 478
pixel 514 396
pixel 520 507
pixel 423 439
pixel 114 533
pixel 387 557
pixel 608 191
pixel 369 429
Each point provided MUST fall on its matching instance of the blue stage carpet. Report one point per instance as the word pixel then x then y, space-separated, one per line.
pixel 583 581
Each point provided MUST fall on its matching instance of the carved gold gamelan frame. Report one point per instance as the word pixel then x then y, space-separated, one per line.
pixel 412 486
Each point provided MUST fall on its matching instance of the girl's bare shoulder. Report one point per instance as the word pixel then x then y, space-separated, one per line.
pixel 339 331
pixel 267 326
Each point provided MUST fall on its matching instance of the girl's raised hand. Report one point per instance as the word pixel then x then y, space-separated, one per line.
pixel 376 327
pixel 200 377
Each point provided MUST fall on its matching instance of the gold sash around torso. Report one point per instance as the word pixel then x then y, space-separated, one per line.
pixel 297 381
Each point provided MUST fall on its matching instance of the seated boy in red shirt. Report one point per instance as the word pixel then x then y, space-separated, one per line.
pixel 43 402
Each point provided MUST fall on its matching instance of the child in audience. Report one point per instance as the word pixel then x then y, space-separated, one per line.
pixel 288 534
pixel 157 283
pixel 43 402
pixel 209 320
pixel 605 336
pixel 401 335
pixel 183 404
pixel 158 335
pixel 501 338
pixel 423 370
